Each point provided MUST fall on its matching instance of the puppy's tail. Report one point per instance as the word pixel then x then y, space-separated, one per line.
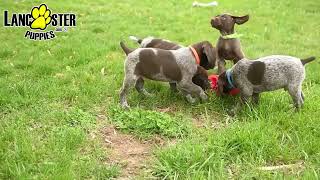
pixel 307 60
pixel 125 48
pixel 134 38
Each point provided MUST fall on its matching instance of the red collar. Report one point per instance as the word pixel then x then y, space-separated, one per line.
pixel 195 54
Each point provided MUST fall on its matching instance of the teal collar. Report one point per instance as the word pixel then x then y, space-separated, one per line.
pixel 230 79
pixel 232 36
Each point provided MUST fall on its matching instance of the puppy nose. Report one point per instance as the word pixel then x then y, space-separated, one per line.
pixel 212 21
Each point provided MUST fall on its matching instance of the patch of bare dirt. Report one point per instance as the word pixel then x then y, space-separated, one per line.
pixel 127 151
pixel 130 153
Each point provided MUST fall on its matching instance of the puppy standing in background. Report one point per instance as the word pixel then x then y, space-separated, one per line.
pixel 266 74
pixel 174 66
pixel 228 45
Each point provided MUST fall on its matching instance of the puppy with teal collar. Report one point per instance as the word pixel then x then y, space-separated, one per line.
pixel 266 74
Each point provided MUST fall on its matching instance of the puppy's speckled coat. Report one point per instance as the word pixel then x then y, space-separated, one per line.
pixel 268 74
pixel 201 78
pixel 174 66
pixel 151 42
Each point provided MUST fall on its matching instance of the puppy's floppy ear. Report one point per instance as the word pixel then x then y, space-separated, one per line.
pixel 210 52
pixel 240 19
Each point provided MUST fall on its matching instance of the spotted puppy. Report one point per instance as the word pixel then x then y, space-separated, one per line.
pixel 205 50
pixel 200 79
pixel 175 66
pixel 151 42
pixel 266 74
pixel 228 45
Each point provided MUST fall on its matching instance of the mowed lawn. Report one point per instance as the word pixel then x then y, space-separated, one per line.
pixel 54 93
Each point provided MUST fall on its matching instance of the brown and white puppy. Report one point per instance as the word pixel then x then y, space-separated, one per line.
pixel 175 66
pixel 228 45
pixel 209 53
pixel 151 42
pixel 266 74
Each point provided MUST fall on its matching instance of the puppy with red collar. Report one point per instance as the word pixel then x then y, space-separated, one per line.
pixel 174 66
pixel 207 54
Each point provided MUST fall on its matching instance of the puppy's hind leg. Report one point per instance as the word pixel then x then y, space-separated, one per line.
pixel 127 84
pixel 302 95
pixel 139 87
pixel 296 94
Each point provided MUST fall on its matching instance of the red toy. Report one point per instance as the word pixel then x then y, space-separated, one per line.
pixel 214 86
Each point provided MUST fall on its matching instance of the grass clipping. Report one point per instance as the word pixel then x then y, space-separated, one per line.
pixel 145 123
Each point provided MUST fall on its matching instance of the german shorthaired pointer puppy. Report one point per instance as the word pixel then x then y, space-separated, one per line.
pixel 266 74
pixel 228 45
pixel 176 66
pixel 200 79
pixel 151 42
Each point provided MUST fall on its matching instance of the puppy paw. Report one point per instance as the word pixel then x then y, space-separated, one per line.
pixel 232 112
pixel 203 96
pixel 125 106
pixel 190 99
pixel 297 109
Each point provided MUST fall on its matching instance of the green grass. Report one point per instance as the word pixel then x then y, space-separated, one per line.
pixel 144 124
pixel 51 93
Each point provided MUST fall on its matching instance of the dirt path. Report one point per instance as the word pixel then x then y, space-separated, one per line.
pixel 130 153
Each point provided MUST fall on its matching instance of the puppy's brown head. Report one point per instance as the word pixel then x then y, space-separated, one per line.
pixel 207 54
pixel 225 22
pixel 201 78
